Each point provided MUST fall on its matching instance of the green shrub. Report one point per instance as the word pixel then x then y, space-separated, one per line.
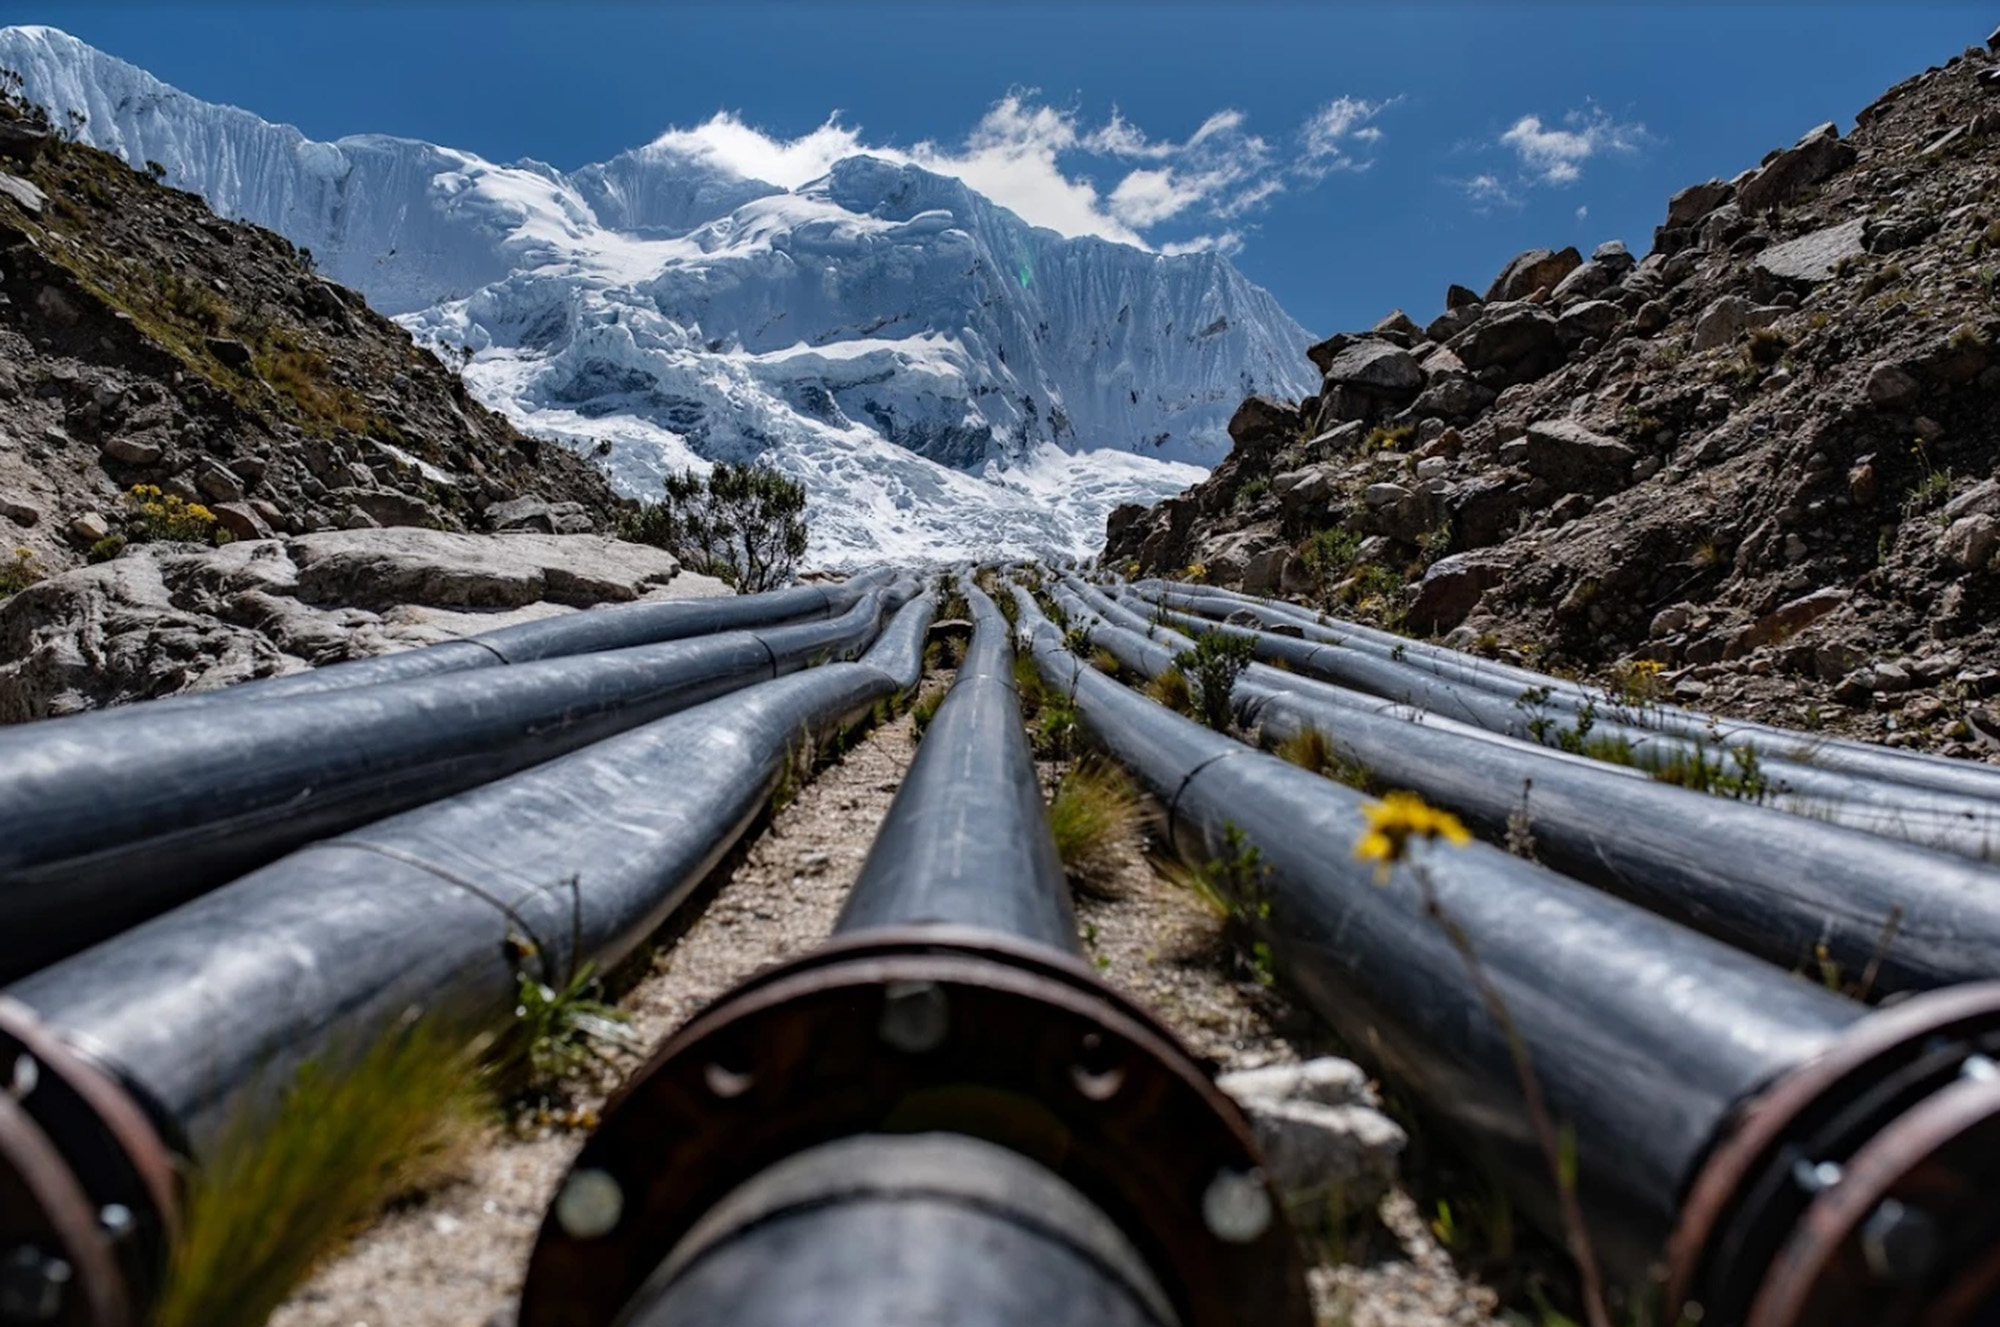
pixel 743 523
pixel 19 572
pixel 1211 669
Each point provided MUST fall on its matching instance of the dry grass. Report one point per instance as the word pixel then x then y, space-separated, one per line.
pixel 1094 810
pixel 287 1185
pixel 1171 689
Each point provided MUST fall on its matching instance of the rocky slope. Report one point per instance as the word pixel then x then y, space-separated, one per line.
pixel 169 382
pixel 1764 456
pixel 947 379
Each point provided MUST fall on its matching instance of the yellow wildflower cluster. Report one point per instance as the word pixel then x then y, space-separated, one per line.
pixel 1195 571
pixel 1637 681
pixel 1399 818
pixel 158 515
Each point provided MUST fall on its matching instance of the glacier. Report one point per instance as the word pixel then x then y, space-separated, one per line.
pixel 946 379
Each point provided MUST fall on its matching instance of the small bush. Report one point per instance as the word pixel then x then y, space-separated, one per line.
pixel 561 1034
pixel 1328 554
pixel 107 548
pixel 1251 491
pixel 1094 809
pixel 1212 667
pixel 1171 689
pixel 156 516
pixel 743 523
pixel 1388 436
pixel 19 572
pixel 1766 346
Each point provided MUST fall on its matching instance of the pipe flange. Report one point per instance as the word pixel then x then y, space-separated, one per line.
pixel 79 1164
pixel 1911 1233
pixel 1791 1146
pixel 912 1032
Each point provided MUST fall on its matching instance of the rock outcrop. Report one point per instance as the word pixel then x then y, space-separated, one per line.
pixel 1763 457
pixel 166 618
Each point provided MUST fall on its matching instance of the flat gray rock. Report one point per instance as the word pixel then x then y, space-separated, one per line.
pixel 1813 257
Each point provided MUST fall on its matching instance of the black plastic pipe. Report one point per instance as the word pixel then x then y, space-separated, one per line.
pixel 1652 1046
pixel 204 1014
pixel 103 825
pixel 966 841
pixel 612 627
pixel 939 1116
pixel 1776 885
pixel 1913 768
pixel 1966 826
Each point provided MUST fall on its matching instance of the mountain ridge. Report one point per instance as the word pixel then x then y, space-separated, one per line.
pixel 946 378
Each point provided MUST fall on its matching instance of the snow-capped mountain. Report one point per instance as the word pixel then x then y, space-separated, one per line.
pixel 947 379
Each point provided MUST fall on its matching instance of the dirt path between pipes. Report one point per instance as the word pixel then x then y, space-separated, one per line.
pixel 454 1255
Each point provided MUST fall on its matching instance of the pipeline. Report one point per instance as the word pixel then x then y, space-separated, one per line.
pixel 1788 889
pixel 940 1115
pixel 103 826
pixel 1966 826
pixel 613 627
pixel 1790 1156
pixel 182 1027
pixel 1914 768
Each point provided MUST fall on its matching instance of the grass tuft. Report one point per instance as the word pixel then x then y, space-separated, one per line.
pixel 1095 807
pixel 1171 689
pixel 285 1186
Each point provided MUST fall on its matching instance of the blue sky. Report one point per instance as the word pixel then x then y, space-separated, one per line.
pixel 1351 157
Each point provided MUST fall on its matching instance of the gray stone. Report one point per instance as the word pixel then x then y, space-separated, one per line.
pixel 1376 366
pixel 1442 362
pixel 1586 282
pixel 1613 254
pixel 406 565
pixel 1728 318
pixel 1592 318
pixel 1519 338
pixel 219 483
pixel 1453 321
pixel 1791 172
pixel 1812 257
pixel 1449 397
pixel 1323 1140
pixel 234 354
pixel 1533 271
pixel 30 199
pixel 18 511
pixel 1451 588
pixel 1458 297
pixel 1695 202
pixel 1386 494
pixel 1399 325
pixel 1261 421
pixel 134 451
pixel 90 527
pixel 1890 385
pixel 1981 498
pixel 241 521
pixel 1571 456
pixel 1968 542
pixel 1650 317
pixel 1300 491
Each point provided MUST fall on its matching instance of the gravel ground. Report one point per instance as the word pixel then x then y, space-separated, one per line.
pixel 453 1257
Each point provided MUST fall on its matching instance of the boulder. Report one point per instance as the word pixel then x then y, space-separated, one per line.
pixel 241 521
pixel 1300 491
pixel 18 511
pixel 89 528
pixel 1812 257
pixel 1695 202
pixel 134 451
pixel 1451 588
pixel 1377 367
pixel 1572 457
pixel 1518 338
pixel 1262 422
pixel 1968 542
pixel 1787 620
pixel 1890 385
pixel 1458 297
pixel 1449 397
pixel 1725 320
pixel 1789 174
pixel 1452 321
pixel 1325 1143
pixel 1586 282
pixel 1534 270
pixel 24 194
pixel 233 354
pixel 1400 328
pixel 525 513
pixel 1982 498
pixel 1614 255
pixel 1592 318
pixel 408 565
pixel 1650 317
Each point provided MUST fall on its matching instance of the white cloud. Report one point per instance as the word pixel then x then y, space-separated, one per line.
pixel 1556 156
pixel 1583 212
pixel 1037 160
pixel 1327 134
pixel 1487 191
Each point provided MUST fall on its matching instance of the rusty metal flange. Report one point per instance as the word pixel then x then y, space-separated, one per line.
pixel 1792 1145
pixel 911 1031
pixel 1911 1233
pixel 115 1205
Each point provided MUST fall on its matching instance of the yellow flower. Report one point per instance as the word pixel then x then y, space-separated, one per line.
pixel 1398 818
